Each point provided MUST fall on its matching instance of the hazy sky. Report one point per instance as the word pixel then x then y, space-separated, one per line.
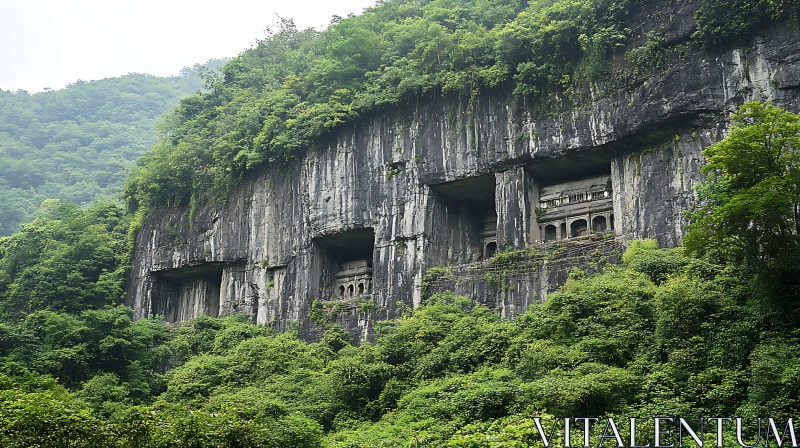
pixel 52 43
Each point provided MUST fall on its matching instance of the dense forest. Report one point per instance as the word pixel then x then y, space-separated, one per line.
pixel 78 143
pixel 710 329
pixel 275 100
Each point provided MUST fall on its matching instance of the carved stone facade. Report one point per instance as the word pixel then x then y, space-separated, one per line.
pixel 354 280
pixel 576 209
pixel 469 176
pixel 489 236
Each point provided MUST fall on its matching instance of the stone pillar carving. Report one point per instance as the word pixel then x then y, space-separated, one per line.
pixel 513 192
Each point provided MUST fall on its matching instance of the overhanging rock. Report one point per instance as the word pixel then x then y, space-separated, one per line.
pixel 449 182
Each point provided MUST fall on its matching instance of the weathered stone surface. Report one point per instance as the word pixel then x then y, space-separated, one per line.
pixel 511 287
pixel 397 175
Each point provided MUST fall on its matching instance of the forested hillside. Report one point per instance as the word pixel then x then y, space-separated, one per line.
pixel 78 143
pixel 706 330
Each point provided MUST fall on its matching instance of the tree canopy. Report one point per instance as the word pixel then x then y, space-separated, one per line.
pixel 78 143
pixel 275 101
pixel 749 206
pixel 663 334
pixel 707 330
pixel 684 332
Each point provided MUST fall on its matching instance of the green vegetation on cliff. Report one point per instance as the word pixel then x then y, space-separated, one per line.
pixel 701 331
pixel 78 143
pixel 274 101
pixel 664 334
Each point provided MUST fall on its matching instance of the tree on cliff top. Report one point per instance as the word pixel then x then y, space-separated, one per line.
pixel 283 96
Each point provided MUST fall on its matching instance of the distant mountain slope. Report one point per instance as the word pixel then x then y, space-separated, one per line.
pixel 77 143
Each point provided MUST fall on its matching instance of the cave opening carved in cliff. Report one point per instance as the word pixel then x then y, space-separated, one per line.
pixel 345 264
pixel 575 195
pixel 470 217
pixel 188 292
pixel 571 166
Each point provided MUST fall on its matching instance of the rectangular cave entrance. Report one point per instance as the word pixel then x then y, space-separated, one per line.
pixel 575 196
pixel 346 264
pixel 576 209
pixel 184 293
pixel 470 221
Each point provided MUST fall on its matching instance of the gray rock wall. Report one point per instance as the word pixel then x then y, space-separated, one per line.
pixel 398 174
pixel 511 287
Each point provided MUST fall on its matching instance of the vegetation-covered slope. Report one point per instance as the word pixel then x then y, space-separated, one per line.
pixel 274 101
pixel 78 143
pixel 662 335
pixel 710 330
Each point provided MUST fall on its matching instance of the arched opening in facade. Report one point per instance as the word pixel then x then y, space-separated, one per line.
pixel 599 224
pixel 466 208
pixel 578 228
pixel 491 249
pixel 346 260
pixel 550 233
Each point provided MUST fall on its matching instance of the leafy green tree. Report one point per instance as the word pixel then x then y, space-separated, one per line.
pixel 749 209
pixel 78 143
pixel 42 419
pixel 721 23
pixel 66 260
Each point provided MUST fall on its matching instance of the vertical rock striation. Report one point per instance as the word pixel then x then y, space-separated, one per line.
pixel 415 188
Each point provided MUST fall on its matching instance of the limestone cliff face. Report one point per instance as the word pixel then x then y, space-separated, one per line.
pixel 435 183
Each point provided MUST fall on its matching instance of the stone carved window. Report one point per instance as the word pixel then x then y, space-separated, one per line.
pixel 354 273
pixel 188 292
pixel 575 192
pixel 467 206
pixel 491 250
pixel 575 198
pixel 550 233
pixel 578 228
pixel 489 235
pixel 575 208
pixel 599 224
pixel 346 262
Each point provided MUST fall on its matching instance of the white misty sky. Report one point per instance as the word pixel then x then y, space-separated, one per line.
pixel 52 43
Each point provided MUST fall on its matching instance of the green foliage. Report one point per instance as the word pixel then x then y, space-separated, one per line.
pixel 749 208
pixel 707 331
pixel 280 98
pixel 68 259
pixel 750 200
pixel 650 55
pixel 435 272
pixel 78 143
pixel 42 419
pixel 722 23
pixel 276 100
pixel 659 334
pixel 643 256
